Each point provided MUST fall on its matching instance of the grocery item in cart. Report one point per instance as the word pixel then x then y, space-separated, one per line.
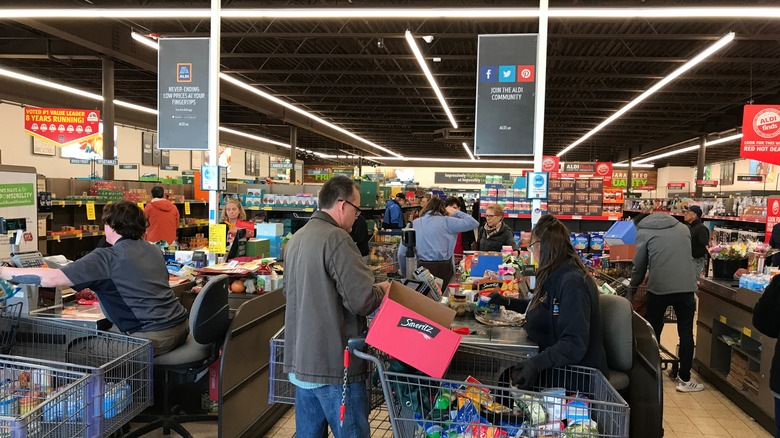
pixel 501 317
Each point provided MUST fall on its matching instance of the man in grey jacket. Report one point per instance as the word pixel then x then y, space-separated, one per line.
pixel 663 245
pixel 329 291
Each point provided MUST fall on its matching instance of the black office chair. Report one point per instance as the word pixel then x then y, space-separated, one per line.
pixel 209 322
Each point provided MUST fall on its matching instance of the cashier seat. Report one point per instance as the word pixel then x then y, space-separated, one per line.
pixel 209 322
pixel 616 314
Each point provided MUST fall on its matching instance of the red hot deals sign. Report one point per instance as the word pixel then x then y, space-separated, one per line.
pixel 551 165
pixel 604 170
pixel 772 216
pixel 761 133
pixel 598 169
pixel 61 126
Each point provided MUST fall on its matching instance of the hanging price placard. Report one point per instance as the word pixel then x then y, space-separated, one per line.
pixel 90 211
pixel 187 208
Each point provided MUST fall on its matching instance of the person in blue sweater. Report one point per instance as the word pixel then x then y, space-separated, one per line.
pixel 394 217
pixel 563 316
pixel 436 231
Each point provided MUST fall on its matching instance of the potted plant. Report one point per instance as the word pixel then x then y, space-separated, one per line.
pixel 727 258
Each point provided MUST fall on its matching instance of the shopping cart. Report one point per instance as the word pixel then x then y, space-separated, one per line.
pixel 41 401
pixel 575 401
pixel 120 366
pixel 383 256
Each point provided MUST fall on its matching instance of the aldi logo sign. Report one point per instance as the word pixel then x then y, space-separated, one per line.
pixel 184 72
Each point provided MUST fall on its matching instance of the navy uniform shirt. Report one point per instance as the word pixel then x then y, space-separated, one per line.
pixel 131 282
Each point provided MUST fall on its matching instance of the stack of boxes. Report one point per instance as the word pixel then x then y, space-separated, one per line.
pixel 253 197
pixel 613 202
pixel 513 201
pixel 273 232
pixel 576 197
pixel 302 200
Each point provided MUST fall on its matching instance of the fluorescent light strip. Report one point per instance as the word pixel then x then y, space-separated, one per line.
pixel 468 151
pixel 456 13
pixel 668 154
pixel 417 54
pixel 685 67
pixel 723 140
pixel 145 41
pixel 444 160
pixel 634 165
pixel 274 99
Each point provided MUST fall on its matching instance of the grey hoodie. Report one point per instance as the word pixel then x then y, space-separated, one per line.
pixel 663 246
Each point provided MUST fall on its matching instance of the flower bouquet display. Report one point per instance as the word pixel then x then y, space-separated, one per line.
pixel 727 258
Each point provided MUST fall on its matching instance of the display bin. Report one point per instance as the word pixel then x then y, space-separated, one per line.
pixel 42 401
pixel 120 365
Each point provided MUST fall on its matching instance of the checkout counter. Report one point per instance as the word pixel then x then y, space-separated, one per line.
pixel 730 353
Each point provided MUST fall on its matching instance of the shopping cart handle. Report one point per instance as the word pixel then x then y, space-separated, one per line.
pixel 358 344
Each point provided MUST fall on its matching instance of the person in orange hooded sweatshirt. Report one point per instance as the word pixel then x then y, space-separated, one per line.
pixel 163 217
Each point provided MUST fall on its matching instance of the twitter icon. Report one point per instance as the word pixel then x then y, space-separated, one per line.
pixel 507 73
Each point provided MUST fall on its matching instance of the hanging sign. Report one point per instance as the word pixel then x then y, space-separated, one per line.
pixel 761 133
pixel 182 93
pixel 174 168
pixel 706 182
pixel 772 216
pixel 128 166
pixel 537 185
pixel 467 177
pixel 506 95
pixel 281 165
pixel 61 126
pixel 750 178
pixel 90 211
pixel 551 164
pixel 217 238
pixel 679 186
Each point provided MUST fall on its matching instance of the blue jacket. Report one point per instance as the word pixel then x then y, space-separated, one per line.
pixel 393 214
pixel 436 236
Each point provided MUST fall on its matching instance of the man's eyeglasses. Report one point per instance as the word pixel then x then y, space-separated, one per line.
pixel 357 209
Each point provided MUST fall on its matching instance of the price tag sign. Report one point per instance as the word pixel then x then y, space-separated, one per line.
pixel 91 211
pixel 308 209
pixel 187 208
pixel 78 203
pixel 217 238
pixel 746 331
pixel 57 238
pixel 62 203
pixel 267 208
pixel 79 235
pixel 722 319
pixel 141 205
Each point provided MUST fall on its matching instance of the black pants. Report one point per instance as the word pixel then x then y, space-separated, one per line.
pixel 684 305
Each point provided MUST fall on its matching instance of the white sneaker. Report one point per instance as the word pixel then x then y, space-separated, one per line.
pixel 689 386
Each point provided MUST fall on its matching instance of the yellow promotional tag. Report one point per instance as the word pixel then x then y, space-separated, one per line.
pixel 62 203
pixel 722 319
pixel 187 208
pixel 90 211
pixel 268 208
pixel 308 209
pixel 217 238
pixel 746 331
pixel 141 205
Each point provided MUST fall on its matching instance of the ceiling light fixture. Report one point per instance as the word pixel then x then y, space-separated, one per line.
pixel 448 160
pixel 431 79
pixel 468 151
pixel 723 140
pixel 428 38
pixel 275 99
pixel 401 13
pixel 633 164
pixel 668 154
pixel 685 67
pixel 145 41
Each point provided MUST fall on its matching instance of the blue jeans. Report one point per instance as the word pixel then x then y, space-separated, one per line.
pixel 684 305
pixel 317 408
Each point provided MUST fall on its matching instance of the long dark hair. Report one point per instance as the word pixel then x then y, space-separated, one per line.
pixel 555 249
pixel 434 206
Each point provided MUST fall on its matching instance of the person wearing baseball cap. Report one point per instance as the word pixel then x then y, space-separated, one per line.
pixel 394 216
pixel 700 238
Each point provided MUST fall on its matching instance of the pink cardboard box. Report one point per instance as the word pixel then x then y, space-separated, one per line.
pixel 415 330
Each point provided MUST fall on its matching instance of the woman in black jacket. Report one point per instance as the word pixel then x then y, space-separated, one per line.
pixel 766 321
pixel 563 316
pixel 495 233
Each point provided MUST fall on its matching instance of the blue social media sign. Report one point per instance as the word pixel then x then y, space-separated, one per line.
pixel 507 73
pixel 488 73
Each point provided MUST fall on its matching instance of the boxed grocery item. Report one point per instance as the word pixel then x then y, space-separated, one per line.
pixel 596 241
pixel 415 330
pixel 622 252
pixel 594 210
pixel 580 241
pixel 581 209
pixel 269 229
pixel 258 247
pixel 582 197
pixel 582 184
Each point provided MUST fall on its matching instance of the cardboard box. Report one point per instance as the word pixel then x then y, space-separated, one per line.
pixel 269 229
pixel 622 252
pixel 414 329
pixel 257 247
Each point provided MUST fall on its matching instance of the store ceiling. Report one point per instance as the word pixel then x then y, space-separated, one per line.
pixel 361 75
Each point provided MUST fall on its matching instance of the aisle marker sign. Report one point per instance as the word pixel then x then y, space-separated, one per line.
pixel 217 238
pixel 506 94
pixel 187 208
pixel 182 93
pixel 761 133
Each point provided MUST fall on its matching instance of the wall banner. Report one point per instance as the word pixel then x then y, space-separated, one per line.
pixel 61 126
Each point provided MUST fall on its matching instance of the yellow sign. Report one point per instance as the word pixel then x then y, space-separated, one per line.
pixel 746 331
pixel 90 211
pixel 308 209
pixel 217 238
pixel 268 208
pixel 141 205
pixel 722 319
pixel 187 208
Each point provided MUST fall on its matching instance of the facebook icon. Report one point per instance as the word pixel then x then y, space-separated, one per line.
pixel 488 73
